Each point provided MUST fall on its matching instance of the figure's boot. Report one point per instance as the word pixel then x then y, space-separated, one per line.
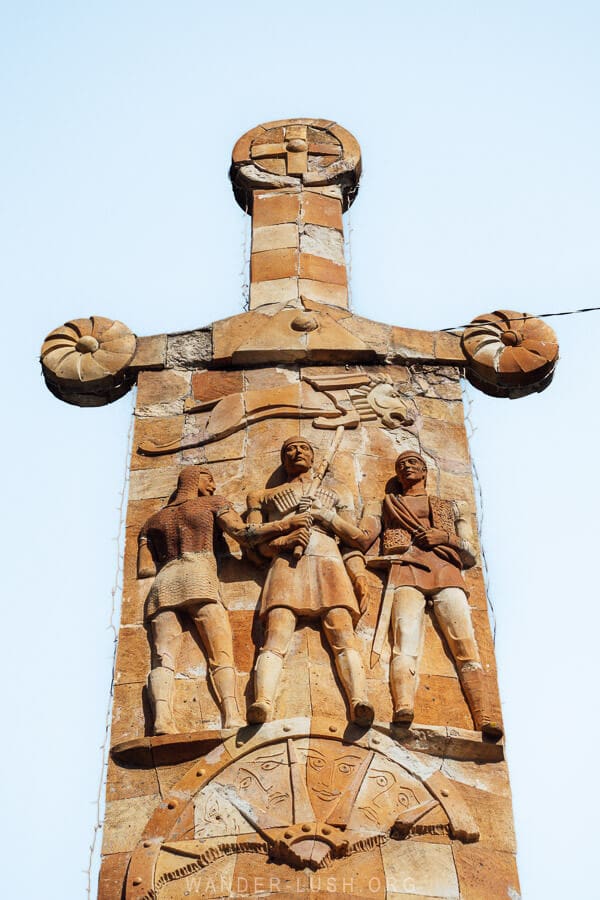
pixel 473 680
pixel 223 679
pixel 352 675
pixel 266 679
pixel 403 683
pixel 160 689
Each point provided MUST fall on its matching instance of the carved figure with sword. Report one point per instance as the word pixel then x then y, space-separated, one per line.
pixel 425 548
pixel 307 577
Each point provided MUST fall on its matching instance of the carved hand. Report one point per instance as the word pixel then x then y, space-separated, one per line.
pixel 427 538
pixel 363 592
pixel 298 538
pixel 301 520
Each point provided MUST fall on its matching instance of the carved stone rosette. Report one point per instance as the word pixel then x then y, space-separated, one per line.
pixel 85 361
pixel 509 354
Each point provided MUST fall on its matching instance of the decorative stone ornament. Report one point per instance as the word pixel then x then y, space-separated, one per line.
pixel 85 361
pixel 294 153
pixel 509 354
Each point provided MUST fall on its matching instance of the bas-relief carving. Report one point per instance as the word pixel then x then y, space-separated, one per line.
pixel 348 399
pixel 424 547
pixel 307 578
pixel 304 802
pixel 306 533
pixel 176 547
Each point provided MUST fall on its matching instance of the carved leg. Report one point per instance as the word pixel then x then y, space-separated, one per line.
pixel 408 619
pixel 454 616
pixel 166 635
pixel 279 629
pixel 212 624
pixel 338 629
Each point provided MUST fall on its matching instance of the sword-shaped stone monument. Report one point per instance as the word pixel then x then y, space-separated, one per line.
pixel 302 555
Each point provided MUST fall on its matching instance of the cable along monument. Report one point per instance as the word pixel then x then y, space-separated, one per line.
pixel 305 695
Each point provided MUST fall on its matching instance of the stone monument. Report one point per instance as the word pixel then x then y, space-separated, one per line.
pixel 305 691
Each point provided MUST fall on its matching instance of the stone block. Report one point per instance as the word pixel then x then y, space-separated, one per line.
pixel 491 777
pixel 323 242
pixel 156 430
pixel 322 292
pixel 133 603
pixel 124 822
pixel 130 712
pixel 441 410
pixel 213 385
pixel 133 655
pixel 271 264
pixel 161 387
pixel 440 701
pixel 150 352
pixel 159 482
pixel 318 269
pixel 275 208
pixel 436 658
pixel 485 874
pixel 476 587
pixel 190 349
pixel 318 209
pixel 244 648
pixel 194 706
pixel 448 348
pixel 493 814
pixel 123 782
pixel 280 290
pixel 274 237
pixel 409 343
pixel 374 334
pixel 418 867
pixel 138 512
pixel 112 876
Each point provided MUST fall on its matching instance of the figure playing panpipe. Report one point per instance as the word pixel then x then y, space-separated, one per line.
pixel 307 578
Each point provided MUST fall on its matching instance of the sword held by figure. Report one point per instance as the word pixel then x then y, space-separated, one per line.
pixel 309 497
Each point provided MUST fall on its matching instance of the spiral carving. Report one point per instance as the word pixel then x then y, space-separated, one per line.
pixel 85 360
pixel 509 354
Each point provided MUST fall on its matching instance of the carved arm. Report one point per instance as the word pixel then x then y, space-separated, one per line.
pixel 146 567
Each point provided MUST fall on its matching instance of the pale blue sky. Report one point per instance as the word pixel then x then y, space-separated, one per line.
pixel 481 189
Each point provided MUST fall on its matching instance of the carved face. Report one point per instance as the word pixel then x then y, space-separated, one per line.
pixel 410 470
pixel 206 484
pixel 264 780
pixel 297 457
pixel 384 794
pixel 329 771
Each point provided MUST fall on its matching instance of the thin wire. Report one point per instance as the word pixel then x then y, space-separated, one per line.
pixel 548 315
pixel 115 593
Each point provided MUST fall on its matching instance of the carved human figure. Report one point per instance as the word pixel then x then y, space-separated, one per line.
pixel 307 578
pixel 428 540
pixel 176 546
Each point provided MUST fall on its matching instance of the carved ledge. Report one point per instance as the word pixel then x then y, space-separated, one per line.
pixel 167 749
pixel 509 354
pixel 86 361
pixel 435 740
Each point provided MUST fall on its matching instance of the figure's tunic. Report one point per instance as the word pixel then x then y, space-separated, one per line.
pixel 427 570
pixel 180 537
pixel 316 582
